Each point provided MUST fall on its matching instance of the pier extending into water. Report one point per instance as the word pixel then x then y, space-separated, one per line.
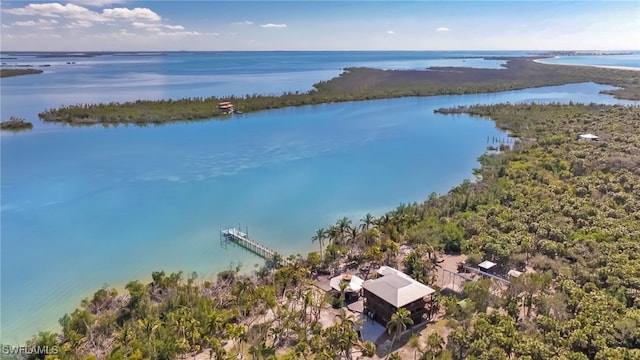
pixel 240 238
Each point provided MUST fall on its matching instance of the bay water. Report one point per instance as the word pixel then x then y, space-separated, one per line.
pixel 87 206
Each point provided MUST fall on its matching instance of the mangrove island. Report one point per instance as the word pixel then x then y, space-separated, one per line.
pixel 15 124
pixel 18 72
pixel 356 84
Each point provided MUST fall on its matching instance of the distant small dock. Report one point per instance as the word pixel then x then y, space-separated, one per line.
pixel 242 239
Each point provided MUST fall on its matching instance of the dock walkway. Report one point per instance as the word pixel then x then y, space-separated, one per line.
pixel 240 238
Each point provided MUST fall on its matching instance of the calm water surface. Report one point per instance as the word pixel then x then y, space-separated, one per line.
pixel 119 77
pixel 82 207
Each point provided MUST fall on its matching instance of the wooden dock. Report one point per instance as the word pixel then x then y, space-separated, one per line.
pixel 242 239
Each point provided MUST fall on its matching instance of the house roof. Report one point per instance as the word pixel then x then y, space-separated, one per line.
pixel 487 264
pixel 387 270
pixel 397 290
pixel 355 283
pixel 588 136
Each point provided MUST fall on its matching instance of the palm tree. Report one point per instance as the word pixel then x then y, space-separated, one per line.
pixel 343 290
pixel 368 349
pixel 193 331
pixel 367 221
pixel 262 351
pixel 124 338
pixel 346 335
pixel 372 236
pixel 435 343
pixel 343 225
pixel 398 324
pixel 333 234
pixel 395 356
pixel 320 237
pixel 214 324
pixel 414 343
pixel 347 320
pixel 353 234
pixel 149 326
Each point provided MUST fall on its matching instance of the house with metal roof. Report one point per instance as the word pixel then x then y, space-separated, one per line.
pixel 225 107
pixel 393 290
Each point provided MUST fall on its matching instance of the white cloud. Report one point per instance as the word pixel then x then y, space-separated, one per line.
pixel 179 33
pixel 443 29
pixel 25 23
pixel 82 24
pixel 270 25
pixel 141 14
pixel 390 32
pixel 72 11
pixel 41 23
pixel 98 3
pixel 174 27
pixel 246 22
pixel 141 25
pixel 57 10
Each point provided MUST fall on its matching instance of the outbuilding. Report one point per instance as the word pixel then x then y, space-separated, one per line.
pixel 589 137
pixel 352 284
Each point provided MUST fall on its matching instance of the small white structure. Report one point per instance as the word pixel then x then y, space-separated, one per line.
pixel 589 137
pixel 514 273
pixel 487 265
pixel 354 283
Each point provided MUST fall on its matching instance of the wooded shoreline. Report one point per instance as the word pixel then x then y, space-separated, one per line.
pixel 356 84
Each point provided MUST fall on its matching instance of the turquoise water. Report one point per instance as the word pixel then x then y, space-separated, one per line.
pixel 631 60
pixel 82 207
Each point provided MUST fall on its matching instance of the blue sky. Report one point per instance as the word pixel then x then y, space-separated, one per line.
pixel 86 25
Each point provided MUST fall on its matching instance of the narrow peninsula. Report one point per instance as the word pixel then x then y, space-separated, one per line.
pixel 356 84
pixel 18 72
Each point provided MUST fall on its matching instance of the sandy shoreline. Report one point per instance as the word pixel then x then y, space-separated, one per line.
pixel 540 61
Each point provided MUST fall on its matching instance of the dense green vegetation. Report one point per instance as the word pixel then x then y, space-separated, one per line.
pixel 15 124
pixel 565 211
pixel 18 72
pixel 570 210
pixel 520 73
pixel 355 84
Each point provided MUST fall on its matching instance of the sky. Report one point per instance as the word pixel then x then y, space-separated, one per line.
pixel 123 25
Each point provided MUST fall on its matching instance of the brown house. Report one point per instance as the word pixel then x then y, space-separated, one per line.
pixel 385 295
pixel 225 107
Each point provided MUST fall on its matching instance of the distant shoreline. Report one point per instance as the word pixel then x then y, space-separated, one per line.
pixel 541 61
pixel 18 72
pixel 356 84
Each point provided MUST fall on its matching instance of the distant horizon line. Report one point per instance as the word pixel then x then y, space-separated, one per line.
pixel 378 50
